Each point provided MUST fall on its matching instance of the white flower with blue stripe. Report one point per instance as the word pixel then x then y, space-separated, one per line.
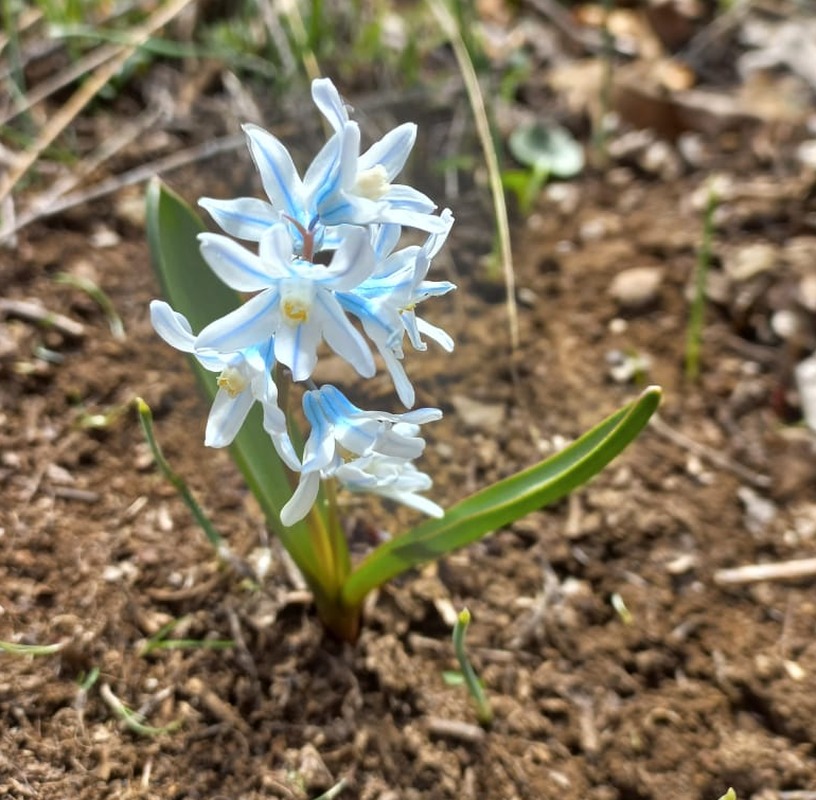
pixel 341 186
pixel 295 301
pixel 245 377
pixel 393 478
pixel 363 192
pixel 325 266
pixel 386 302
pixel 340 430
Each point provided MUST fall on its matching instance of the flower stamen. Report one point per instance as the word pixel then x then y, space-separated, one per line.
pixel 296 302
pixel 372 183
pixel 232 381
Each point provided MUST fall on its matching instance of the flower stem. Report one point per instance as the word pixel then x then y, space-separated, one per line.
pixel 340 551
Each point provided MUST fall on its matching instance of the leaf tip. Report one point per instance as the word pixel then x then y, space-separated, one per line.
pixel 142 408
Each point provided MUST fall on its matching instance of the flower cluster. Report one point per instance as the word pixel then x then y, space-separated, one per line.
pixel 325 250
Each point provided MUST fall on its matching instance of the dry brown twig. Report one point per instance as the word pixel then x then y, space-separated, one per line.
pixel 471 80
pixel 86 92
pixel 27 19
pixel 30 311
pixel 106 151
pixel 709 454
pixel 754 573
pixel 63 78
pixel 130 178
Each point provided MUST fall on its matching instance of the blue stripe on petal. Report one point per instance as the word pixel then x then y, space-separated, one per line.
pixel 391 151
pixel 233 264
pixel 245 217
pixel 363 311
pixel 342 336
pixel 249 324
pixel 276 168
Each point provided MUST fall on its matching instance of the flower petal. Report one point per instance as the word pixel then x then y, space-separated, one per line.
pixel 437 334
pixel 409 320
pixel 301 502
pixel 226 417
pixel 275 250
pixel 391 151
pixel 279 176
pixel 351 264
pixel 356 430
pixel 328 100
pixel 425 289
pixel 409 218
pixel 296 346
pixel 323 176
pixel 343 207
pixel 384 239
pixel 394 445
pixel 421 416
pixel 403 260
pixel 409 199
pixel 342 336
pixel 349 154
pixel 245 217
pixel 405 390
pixel 320 449
pixel 249 324
pixel 284 448
pixel 434 243
pixel 417 502
pixel 239 268
pixel 381 321
pixel 172 326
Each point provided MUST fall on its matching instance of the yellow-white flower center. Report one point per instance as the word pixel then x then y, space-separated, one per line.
pixel 232 381
pixel 372 183
pixel 296 301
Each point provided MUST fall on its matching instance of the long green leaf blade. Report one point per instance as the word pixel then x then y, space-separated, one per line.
pixel 191 288
pixel 505 501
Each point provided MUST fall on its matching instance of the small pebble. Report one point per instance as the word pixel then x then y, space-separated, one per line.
pixel 564 196
pixel 481 416
pixel 636 288
pixel 593 230
pixel 104 237
pixel 661 159
pixel 759 511
pixel 692 149
pixel 806 153
pixel 806 292
pixel 805 374
pixel 749 261
pixel 786 324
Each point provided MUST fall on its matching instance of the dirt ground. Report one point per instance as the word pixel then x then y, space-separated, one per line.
pixel 620 664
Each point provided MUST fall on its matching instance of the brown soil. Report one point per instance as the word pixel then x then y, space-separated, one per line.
pixel 706 686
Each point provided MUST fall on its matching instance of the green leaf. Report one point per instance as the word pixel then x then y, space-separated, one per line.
pixel 549 150
pixel 30 649
pixel 505 501
pixel 452 677
pixel 191 288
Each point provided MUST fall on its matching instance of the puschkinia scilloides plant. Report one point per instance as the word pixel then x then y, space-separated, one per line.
pixel 320 263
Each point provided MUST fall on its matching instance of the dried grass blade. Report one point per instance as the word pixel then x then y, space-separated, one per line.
pixel 87 91
pixel 471 80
